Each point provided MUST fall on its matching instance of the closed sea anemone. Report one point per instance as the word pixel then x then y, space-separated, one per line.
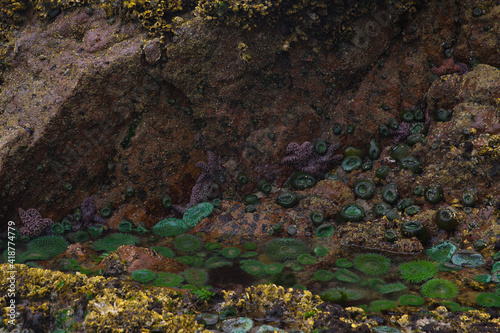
pixel 281 249
pixel 372 264
pixel 187 243
pixel 418 271
pixel 439 288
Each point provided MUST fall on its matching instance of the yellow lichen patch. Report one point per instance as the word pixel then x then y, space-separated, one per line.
pixel 299 305
pixel 121 308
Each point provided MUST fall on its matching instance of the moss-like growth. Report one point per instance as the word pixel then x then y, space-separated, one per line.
pixel 281 249
pixel 372 264
pixel 187 243
pixel 418 271
pixel 143 275
pixel 48 246
pixel 438 288
pixel 113 242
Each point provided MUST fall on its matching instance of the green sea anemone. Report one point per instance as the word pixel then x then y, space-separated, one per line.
pixel 382 172
pixel 250 246
pixel 66 224
pixel 273 268
pixel 96 230
pixel 488 300
pixel 413 300
pixel 439 288
pixel 57 229
pixel 325 230
pixel 242 178
pixel 364 189
pixel 316 217
pixel 412 164
pixel 343 262
pixel 264 186
pixel 372 264
pixel 381 304
pixel 351 163
pixel 170 227
pixel 188 260
pixel 230 252
pixel 125 226
pixel 281 249
pixel 302 180
pixel 249 254
pixel 452 306
pixel 351 213
pixel 340 295
pixel 433 194
pixel 399 151
pixel 215 262
pixel 80 236
pixel 320 251
pixel 418 271
pixel 306 259
pixel 187 243
pixel 253 267
pixel 237 325
pixel 415 228
pixel 346 276
pixel 392 288
pixel 390 194
pixel 196 213
pixel 296 267
pixel 166 201
pixel 287 199
pixel 165 279
pixel 483 278
pixel 113 242
pixel 376 284
pixel 445 219
pixel 196 276
pixel 143 275
pixel 270 329
pixel 106 211
pixel 323 275
pixel 164 251
pixel 48 246
pixel 285 279
pixel 469 197
pixel 213 246
pixel 442 252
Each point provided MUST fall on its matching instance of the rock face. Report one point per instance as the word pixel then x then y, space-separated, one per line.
pixel 91 104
